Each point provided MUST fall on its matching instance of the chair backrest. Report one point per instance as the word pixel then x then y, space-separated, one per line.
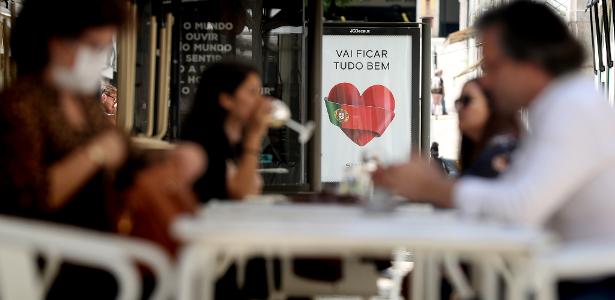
pixel 576 261
pixel 22 240
pixel 581 260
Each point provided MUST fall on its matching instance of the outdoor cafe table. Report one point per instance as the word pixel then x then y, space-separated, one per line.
pixel 226 231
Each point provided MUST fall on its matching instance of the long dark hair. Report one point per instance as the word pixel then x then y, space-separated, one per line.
pixel 497 123
pixel 41 20
pixel 205 122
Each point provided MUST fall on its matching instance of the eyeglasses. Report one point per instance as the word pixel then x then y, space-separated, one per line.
pixel 111 96
pixel 462 102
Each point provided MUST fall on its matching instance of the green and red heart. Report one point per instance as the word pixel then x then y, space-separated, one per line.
pixel 361 117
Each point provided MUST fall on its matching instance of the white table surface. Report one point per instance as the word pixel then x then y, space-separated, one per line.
pixel 316 229
pixel 310 226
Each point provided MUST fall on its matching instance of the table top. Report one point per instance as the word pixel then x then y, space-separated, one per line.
pixel 327 228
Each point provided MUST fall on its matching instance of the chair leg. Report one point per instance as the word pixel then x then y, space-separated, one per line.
pixel 18 278
pixel 418 277
pixel 195 260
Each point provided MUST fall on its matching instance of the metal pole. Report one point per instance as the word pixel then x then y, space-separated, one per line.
pixel 175 94
pixel 315 31
pixel 425 84
pixel 591 27
pixel 607 34
pixel 598 38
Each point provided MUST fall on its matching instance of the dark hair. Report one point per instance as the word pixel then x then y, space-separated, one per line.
pixel 532 32
pixel 434 150
pixel 207 116
pixel 41 20
pixel 497 123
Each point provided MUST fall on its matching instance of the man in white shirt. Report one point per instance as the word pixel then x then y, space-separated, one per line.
pixel 563 175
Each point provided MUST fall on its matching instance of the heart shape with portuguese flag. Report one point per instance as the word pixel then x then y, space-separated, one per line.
pixel 362 117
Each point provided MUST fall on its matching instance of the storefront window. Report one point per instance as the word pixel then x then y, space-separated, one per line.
pixel 272 35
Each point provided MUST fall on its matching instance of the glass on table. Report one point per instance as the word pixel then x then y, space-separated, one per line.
pixel 281 116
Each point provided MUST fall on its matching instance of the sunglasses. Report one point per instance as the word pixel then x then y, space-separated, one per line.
pixel 462 102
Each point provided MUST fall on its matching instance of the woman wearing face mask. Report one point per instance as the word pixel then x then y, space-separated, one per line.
pixel 62 161
pixel 487 138
pixel 229 119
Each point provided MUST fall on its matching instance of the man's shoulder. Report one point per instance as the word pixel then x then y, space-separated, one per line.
pixel 572 103
pixel 575 94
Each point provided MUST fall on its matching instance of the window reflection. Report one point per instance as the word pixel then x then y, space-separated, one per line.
pixel 269 33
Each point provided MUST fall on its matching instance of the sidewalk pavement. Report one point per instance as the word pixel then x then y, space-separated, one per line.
pixel 444 131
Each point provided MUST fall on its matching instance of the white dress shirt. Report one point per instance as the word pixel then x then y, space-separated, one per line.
pixel 563 175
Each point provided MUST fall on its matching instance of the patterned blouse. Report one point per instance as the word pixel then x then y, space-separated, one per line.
pixel 34 135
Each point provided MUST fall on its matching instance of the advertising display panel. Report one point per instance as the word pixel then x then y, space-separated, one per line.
pixel 369 82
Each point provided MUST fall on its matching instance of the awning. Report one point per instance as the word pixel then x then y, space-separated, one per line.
pixel 459 36
pixel 470 69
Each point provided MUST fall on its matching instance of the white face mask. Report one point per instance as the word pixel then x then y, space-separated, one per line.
pixel 84 77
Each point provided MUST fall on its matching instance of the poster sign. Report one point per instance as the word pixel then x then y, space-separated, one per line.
pixel 203 42
pixel 368 87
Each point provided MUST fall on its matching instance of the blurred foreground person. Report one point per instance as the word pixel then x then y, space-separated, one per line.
pixel 487 136
pixel 62 161
pixel 562 175
pixel 229 119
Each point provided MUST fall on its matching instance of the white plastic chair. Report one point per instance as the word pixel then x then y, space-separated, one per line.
pixel 21 240
pixel 573 261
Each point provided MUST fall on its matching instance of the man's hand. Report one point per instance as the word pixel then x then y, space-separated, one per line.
pixel 416 179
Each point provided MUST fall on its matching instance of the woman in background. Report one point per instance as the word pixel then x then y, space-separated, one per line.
pixel 229 119
pixel 487 137
pixel 487 140
pixel 108 101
